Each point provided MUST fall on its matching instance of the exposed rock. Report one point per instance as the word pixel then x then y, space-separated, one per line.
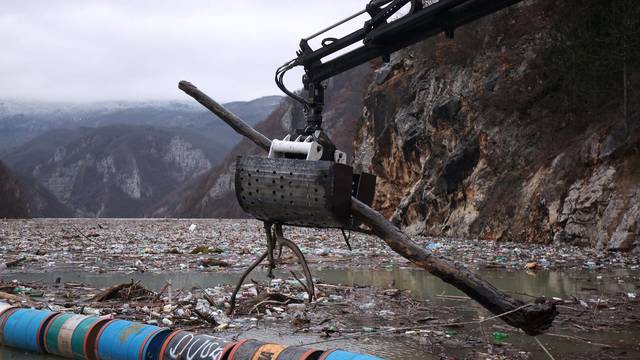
pixel 12 201
pixel 466 141
pixel 113 171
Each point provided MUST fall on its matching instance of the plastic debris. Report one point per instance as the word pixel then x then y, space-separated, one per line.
pixel 499 336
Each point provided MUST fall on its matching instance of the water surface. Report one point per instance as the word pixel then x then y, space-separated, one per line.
pixel 584 285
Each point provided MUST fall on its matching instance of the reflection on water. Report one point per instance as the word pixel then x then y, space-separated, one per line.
pixel 422 284
pixel 584 285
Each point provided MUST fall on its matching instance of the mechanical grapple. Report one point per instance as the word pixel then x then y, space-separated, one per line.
pixel 295 186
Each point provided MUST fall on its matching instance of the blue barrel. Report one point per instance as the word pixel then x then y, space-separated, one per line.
pixel 4 315
pixel 345 355
pixel 153 347
pixel 24 329
pixel 125 340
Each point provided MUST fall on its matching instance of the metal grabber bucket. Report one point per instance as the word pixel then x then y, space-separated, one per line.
pixel 294 186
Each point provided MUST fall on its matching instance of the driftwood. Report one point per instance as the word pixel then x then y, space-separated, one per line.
pixel 125 291
pixel 532 318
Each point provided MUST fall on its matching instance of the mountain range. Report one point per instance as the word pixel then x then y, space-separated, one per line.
pixel 112 159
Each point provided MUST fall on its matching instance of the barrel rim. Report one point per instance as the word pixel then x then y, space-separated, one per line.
pixel 327 353
pixel 164 346
pixel 236 347
pixel 40 334
pixel 308 353
pixel 86 337
pixel 227 349
pixel 46 330
pixel 90 321
pixel 146 342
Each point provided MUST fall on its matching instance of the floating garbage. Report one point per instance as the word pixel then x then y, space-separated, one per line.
pixel 77 336
pixel 499 336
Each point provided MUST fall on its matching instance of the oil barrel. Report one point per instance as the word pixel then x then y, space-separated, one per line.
pixel 58 333
pixel 268 352
pixel 245 349
pixel 183 345
pixel 4 315
pixel 24 329
pixel 124 340
pixel 85 338
pixel 345 355
pixel 153 348
pixel 299 353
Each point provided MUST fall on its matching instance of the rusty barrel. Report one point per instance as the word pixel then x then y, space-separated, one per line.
pixel 5 311
pixel 183 345
pixel 245 349
pixel 345 355
pixel 85 338
pixel 300 353
pixel 126 340
pixel 59 332
pixel 24 329
pixel 268 352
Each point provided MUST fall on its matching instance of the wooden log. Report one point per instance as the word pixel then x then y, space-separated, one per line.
pixel 532 318
pixel 227 116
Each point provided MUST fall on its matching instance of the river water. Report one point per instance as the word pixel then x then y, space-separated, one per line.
pixel 420 283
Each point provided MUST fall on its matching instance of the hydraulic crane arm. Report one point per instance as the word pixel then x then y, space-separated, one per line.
pixel 379 37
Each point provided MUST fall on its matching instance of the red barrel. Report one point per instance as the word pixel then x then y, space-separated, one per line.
pixel 183 345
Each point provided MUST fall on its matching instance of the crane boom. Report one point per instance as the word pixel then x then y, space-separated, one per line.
pixel 379 37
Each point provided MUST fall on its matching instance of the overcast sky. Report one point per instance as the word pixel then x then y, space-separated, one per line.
pixel 91 50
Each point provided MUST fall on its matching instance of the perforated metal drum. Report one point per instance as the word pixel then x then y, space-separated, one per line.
pixel 295 192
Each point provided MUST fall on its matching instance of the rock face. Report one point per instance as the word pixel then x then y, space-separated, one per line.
pixel 213 193
pixel 112 171
pixel 466 141
pixel 12 201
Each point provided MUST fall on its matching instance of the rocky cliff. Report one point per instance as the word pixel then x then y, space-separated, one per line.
pixel 472 136
pixel 111 171
pixel 212 194
pixel 12 201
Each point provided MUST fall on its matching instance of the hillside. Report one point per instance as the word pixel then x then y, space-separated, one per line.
pixel 212 194
pixel 24 121
pixel 491 135
pixel 12 201
pixel 112 171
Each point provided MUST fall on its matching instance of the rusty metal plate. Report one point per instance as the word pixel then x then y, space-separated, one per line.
pixel 295 192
